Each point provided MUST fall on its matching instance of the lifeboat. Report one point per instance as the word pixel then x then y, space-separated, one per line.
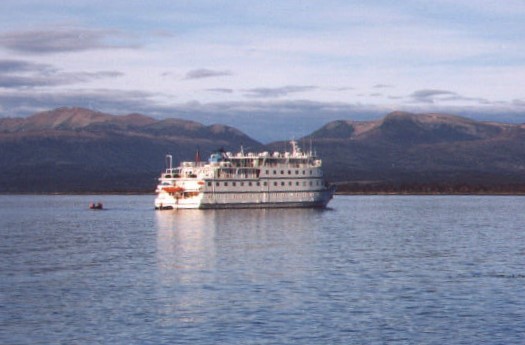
pixel 173 189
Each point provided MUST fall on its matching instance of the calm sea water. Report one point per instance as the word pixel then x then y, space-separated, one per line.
pixel 369 270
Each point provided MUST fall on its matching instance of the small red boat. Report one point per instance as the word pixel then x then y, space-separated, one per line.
pixel 96 206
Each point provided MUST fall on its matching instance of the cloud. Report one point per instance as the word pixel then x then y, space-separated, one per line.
pixel 347 88
pixel 518 102
pixel 220 90
pixel 430 95
pixel 206 73
pixel 13 81
pixel 265 92
pixel 382 86
pixel 21 73
pixel 10 66
pixel 59 40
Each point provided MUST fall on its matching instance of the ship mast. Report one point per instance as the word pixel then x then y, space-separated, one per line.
pixel 169 162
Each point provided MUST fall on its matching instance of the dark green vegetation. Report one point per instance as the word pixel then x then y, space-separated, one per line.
pixel 72 150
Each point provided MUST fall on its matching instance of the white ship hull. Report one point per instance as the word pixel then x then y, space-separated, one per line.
pixel 290 179
pixel 317 199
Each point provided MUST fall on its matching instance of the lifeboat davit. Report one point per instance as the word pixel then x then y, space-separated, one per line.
pixel 173 189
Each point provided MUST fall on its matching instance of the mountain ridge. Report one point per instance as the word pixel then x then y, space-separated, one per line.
pixel 426 149
pixel 79 150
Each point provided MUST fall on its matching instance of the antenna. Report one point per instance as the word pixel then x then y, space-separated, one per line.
pixel 197 156
pixel 169 162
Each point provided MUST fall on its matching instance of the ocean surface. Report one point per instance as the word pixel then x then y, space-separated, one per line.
pixel 367 270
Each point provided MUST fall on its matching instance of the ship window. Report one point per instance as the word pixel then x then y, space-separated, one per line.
pixel 275 183
pixel 242 183
pixel 249 184
pixel 217 184
pixel 310 172
pixel 282 172
pixel 209 184
pixel 234 184
pixel 289 172
pixel 304 172
pixel 290 183
pixel 282 183
pixel 296 172
pixel 267 172
pixel 225 184
pixel 310 183
pixel 297 183
pixel 265 183
pixel 275 172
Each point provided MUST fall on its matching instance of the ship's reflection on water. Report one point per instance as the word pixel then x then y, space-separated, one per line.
pixel 185 240
pixel 192 240
pixel 206 257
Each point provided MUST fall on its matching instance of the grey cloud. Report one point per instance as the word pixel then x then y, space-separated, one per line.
pixel 21 73
pixel 264 92
pixel 167 74
pixel 58 40
pixel 220 90
pixel 341 89
pixel 429 95
pixel 382 86
pixel 10 66
pixel 31 81
pixel 519 102
pixel 12 81
pixel 206 73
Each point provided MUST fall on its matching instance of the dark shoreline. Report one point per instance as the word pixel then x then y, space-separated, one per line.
pixel 384 193
pixel 343 188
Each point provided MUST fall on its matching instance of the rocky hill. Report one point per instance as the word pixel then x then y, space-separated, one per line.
pixel 434 152
pixel 79 150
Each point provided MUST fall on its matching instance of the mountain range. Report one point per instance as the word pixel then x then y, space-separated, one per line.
pixel 78 150
pixel 424 152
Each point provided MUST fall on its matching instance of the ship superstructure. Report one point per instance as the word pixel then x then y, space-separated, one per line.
pixel 245 180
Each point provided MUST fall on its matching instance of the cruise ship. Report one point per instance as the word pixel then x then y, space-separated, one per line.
pixel 245 180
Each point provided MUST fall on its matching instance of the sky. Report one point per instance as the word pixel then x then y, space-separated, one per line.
pixel 273 69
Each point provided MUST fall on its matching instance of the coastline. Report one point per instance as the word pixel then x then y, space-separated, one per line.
pixel 338 193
